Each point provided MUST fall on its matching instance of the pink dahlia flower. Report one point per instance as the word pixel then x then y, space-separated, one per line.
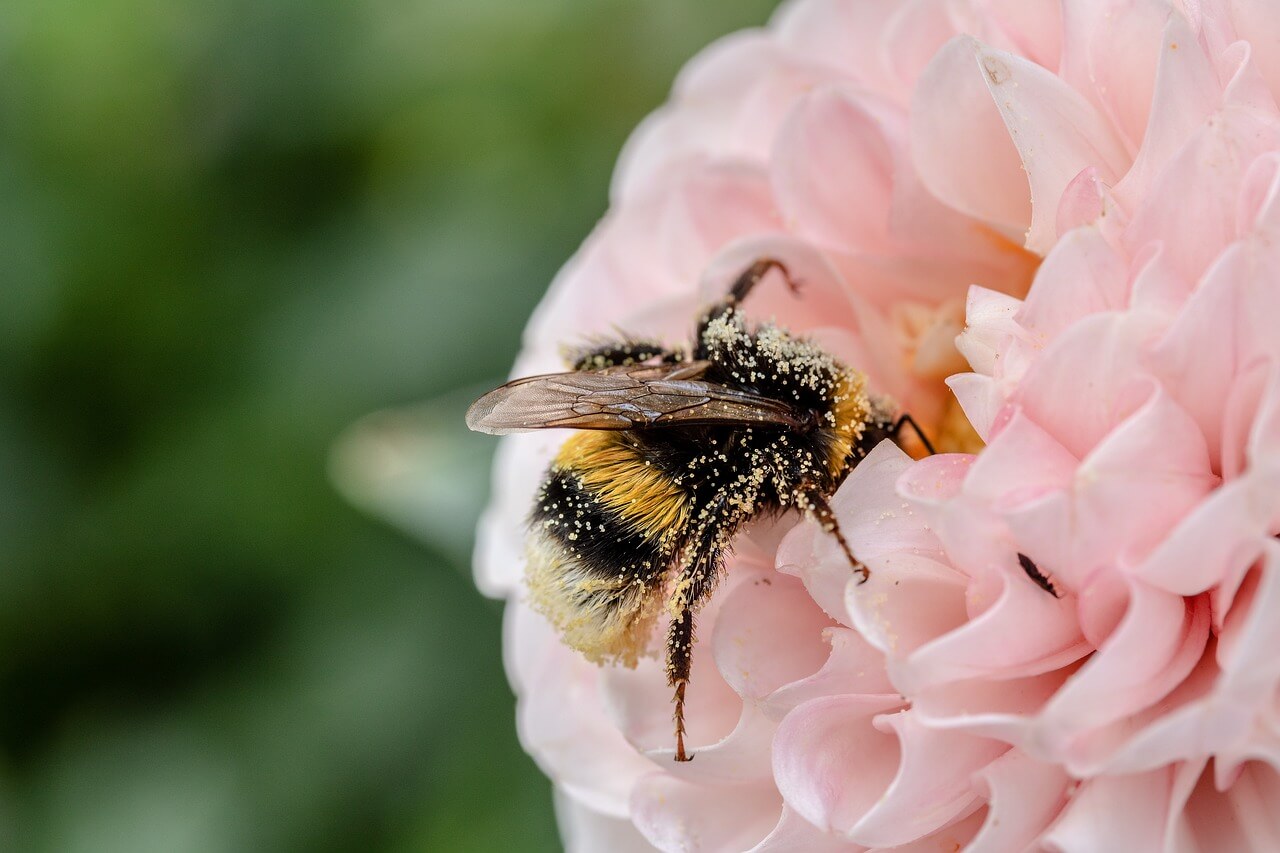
pixel 1051 231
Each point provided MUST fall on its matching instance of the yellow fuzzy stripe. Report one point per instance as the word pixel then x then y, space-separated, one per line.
pixel 618 476
pixel 851 410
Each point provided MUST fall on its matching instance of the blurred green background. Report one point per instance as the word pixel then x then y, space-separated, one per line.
pixel 229 230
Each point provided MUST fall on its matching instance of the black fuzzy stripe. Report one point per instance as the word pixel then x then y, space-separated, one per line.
pixel 596 538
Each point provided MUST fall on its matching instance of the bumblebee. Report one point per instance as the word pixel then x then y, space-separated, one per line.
pixel 678 449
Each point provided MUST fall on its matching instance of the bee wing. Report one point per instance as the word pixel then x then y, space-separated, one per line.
pixel 630 397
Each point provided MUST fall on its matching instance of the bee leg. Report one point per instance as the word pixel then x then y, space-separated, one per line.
pixel 679 662
pixel 602 354
pixel 704 558
pixel 904 421
pixel 744 284
pixel 821 511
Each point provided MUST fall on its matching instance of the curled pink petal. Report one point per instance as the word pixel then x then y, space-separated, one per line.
pixel 1025 796
pixel 833 145
pixel 1113 813
pixel 854 666
pixel 675 815
pixel 794 834
pixel 770 634
pixel 960 144
pixel 831 764
pixel 1153 648
pixel 585 829
pixel 932 787
pixel 1186 90
pixel 1057 133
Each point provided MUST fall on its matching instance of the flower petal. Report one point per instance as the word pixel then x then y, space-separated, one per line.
pixel 1057 132
pixel 583 829
pixel 1114 813
pixel 678 816
pixel 831 764
pixel 960 144
pixel 1025 796
pixel 932 786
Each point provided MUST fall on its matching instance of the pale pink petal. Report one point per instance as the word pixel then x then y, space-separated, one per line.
pixel 1190 722
pixel 1190 357
pixel 932 786
pixel 1114 813
pixel 842 35
pixel 1186 92
pixel 1088 380
pixel 1084 200
pixel 678 816
pixel 1246 86
pixel 1002 710
pixel 1251 634
pixel 1259 202
pixel 1022 463
pixel 1257 21
pixel 1057 133
pixel 1033 26
pixel 907 601
pixel 769 634
pixel 833 148
pixel 853 667
pixel 989 326
pixel 980 398
pixel 1083 275
pixel 830 763
pixel 1081 20
pixel 1158 289
pixel 960 144
pixel 1243 818
pixel 1153 648
pixel 794 834
pixel 969 533
pixel 726 105
pixel 1157 459
pixel 1208 168
pixel 1220 539
pixel 584 830
pixel 562 722
pixel 1123 55
pixel 1024 797
pixel 950 838
pixel 911 37
pixel 935 479
pixel 1051 639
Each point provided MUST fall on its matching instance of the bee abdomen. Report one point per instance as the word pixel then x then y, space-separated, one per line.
pixel 592 571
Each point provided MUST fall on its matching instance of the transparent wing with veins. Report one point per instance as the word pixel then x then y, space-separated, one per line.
pixel 630 397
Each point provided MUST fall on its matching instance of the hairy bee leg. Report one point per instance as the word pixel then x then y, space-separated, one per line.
pixel 818 507
pixel 743 285
pixel 679 662
pixel 704 557
pixel 602 354
pixel 905 420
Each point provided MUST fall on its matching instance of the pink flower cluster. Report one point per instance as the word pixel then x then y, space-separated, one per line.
pixel 1087 194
